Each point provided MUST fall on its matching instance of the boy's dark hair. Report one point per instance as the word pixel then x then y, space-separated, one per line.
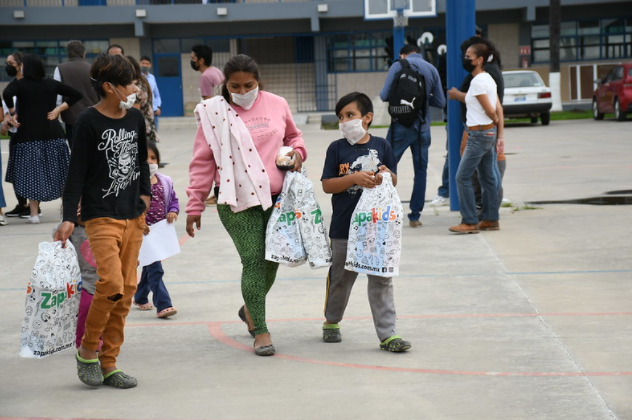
pixel 33 67
pixel 243 63
pixel 154 148
pixel 204 52
pixel 409 49
pixel 115 69
pixel 362 101
pixel 144 57
pixel 75 49
pixel 116 46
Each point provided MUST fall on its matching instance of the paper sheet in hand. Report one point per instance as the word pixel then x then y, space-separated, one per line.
pixel 162 242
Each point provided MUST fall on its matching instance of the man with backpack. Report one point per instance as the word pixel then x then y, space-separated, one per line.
pixel 412 84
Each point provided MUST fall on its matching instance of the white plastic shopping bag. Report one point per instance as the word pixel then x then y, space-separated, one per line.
pixel 52 302
pixel 311 223
pixel 283 239
pixel 375 233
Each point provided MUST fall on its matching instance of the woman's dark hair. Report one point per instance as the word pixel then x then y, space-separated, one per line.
pixel 115 69
pixel 18 57
pixel 492 51
pixel 33 67
pixel 481 50
pixel 138 75
pixel 240 62
pixel 362 101
pixel 152 146
pixel 204 52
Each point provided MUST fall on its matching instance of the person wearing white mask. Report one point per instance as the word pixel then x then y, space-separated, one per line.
pixel 245 127
pixel 353 163
pixel 109 173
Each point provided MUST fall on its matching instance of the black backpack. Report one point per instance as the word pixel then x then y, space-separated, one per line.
pixel 408 96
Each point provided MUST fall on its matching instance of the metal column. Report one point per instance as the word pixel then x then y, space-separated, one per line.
pixel 460 25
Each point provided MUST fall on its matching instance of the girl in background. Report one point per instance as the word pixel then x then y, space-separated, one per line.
pixel 164 205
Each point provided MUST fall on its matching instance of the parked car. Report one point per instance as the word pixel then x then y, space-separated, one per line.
pixel 614 93
pixel 526 96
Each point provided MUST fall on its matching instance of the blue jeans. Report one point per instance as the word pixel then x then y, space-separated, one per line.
pixel 479 154
pixel 401 138
pixel 151 280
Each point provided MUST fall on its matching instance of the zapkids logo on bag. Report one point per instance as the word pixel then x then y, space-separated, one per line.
pixel 289 217
pixel 54 299
pixel 375 215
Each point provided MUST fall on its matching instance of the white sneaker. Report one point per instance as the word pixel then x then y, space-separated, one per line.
pixel 440 201
pixel 3 220
pixel 506 201
pixel 34 219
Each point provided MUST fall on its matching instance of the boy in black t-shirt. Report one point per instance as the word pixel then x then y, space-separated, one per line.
pixel 110 175
pixel 351 164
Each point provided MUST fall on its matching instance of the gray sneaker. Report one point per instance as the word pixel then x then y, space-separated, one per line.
pixel 331 333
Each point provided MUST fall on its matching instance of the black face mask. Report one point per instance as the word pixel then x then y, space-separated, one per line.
pixel 195 66
pixel 11 71
pixel 467 65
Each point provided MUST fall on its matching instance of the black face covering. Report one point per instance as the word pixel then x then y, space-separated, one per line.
pixel 11 71
pixel 467 65
pixel 195 66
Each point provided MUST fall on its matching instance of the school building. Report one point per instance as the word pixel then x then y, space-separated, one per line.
pixel 310 51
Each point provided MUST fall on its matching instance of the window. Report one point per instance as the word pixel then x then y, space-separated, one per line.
pixel 604 39
pixel 51 52
pixel 361 51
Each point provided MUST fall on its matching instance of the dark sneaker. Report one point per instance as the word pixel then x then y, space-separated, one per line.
pixel 395 344
pixel 331 333
pixel 18 211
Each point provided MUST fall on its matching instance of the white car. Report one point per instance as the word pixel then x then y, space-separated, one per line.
pixel 526 96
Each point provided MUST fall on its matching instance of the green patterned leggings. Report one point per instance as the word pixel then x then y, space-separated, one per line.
pixel 247 229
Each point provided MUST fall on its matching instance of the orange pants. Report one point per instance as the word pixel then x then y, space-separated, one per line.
pixel 115 245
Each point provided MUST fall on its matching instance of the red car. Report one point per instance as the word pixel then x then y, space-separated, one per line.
pixel 614 93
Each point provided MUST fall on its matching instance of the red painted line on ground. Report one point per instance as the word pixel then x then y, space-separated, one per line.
pixel 184 239
pixel 169 322
pixel 215 329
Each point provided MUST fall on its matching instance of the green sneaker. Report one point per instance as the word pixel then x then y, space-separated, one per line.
pixel 331 333
pixel 395 344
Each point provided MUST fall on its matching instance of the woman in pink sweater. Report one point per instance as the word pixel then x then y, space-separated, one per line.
pixel 244 127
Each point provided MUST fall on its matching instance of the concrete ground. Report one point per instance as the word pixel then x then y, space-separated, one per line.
pixel 529 322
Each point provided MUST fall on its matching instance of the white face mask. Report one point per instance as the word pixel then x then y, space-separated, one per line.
pixel 131 99
pixel 247 100
pixel 352 131
pixel 153 168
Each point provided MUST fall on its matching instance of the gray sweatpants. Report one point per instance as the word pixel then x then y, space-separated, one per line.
pixel 339 285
